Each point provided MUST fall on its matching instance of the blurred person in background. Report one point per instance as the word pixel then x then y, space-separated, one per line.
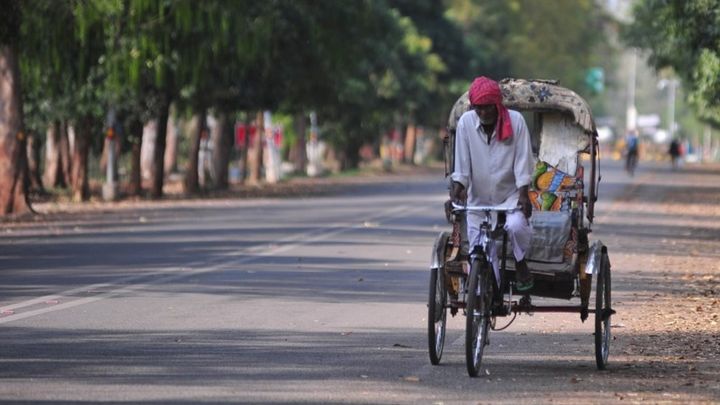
pixel 675 152
pixel 632 146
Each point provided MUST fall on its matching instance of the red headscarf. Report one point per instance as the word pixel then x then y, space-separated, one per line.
pixel 487 91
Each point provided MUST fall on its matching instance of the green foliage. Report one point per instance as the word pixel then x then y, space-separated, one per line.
pixel 706 90
pixel 685 36
pixel 364 65
pixel 10 17
pixel 532 39
pixel 61 55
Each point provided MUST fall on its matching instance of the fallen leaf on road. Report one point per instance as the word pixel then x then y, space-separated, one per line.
pixel 411 378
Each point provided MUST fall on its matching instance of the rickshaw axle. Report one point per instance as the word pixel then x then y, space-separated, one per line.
pixel 516 308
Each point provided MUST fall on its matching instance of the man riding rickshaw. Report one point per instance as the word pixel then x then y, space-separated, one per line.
pixel 522 188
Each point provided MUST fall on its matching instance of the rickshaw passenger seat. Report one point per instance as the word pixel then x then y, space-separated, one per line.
pixel 551 230
pixel 551 193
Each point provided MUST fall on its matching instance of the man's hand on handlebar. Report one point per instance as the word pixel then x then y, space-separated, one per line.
pixel 458 193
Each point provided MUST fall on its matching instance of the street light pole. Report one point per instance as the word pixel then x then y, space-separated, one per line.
pixel 671 85
pixel 631 111
pixel 671 107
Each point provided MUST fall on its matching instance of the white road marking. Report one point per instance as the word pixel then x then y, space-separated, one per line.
pixel 282 245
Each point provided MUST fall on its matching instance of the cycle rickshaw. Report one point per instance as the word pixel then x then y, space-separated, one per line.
pixel 562 259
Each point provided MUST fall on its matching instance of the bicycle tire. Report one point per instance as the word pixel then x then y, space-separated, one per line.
pixel 602 314
pixel 477 320
pixel 437 315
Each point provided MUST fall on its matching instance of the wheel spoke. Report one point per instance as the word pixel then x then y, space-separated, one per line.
pixel 437 315
pixel 603 312
pixel 477 315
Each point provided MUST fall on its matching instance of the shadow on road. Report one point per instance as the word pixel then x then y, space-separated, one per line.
pixel 243 358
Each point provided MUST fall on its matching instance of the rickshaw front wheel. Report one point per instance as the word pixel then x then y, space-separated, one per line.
pixel 477 322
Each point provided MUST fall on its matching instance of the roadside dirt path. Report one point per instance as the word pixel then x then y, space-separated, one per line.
pixel 663 235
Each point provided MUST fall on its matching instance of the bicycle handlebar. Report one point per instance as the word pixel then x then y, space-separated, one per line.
pixel 496 208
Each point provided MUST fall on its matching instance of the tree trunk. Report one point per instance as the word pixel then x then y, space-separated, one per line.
pixel 53 176
pixel 13 156
pixel 135 133
pixel 158 176
pixel 410 135
pixel 222 139
pixel 349 156
pixel 65 157
pixel 171 147
pixel 33 156
pixel 104 156
pixel 81 148
pixel 245 151
pixel 299 154
pixel 192 181
pixel 256 156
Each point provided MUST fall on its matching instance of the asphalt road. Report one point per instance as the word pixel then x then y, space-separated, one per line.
pixel 316 300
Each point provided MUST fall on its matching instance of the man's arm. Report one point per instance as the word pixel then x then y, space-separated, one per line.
pixel 460 177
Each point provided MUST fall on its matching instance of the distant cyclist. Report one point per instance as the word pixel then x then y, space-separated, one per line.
pixel 675 152
pixel 631 151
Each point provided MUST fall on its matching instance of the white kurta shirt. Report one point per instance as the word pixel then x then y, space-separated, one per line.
pixel 492 172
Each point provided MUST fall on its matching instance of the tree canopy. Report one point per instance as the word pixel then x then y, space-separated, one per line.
pixel 365 66
pixel 684 36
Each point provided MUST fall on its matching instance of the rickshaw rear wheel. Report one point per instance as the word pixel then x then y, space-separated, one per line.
pixel 603 312
pixel 437 315
pixel 477 322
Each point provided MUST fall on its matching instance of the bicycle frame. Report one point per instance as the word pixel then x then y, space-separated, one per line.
pixel 485 245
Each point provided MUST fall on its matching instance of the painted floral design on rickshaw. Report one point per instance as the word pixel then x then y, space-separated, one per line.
pixel 544 93
pixel 547 181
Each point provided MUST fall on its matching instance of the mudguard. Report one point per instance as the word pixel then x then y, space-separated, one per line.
pixel 595 257
pixel 438 253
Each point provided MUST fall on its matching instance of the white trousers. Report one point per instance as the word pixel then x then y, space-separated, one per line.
pixel 518 229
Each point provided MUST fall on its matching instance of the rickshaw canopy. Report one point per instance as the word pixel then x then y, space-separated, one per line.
pixel 567 125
